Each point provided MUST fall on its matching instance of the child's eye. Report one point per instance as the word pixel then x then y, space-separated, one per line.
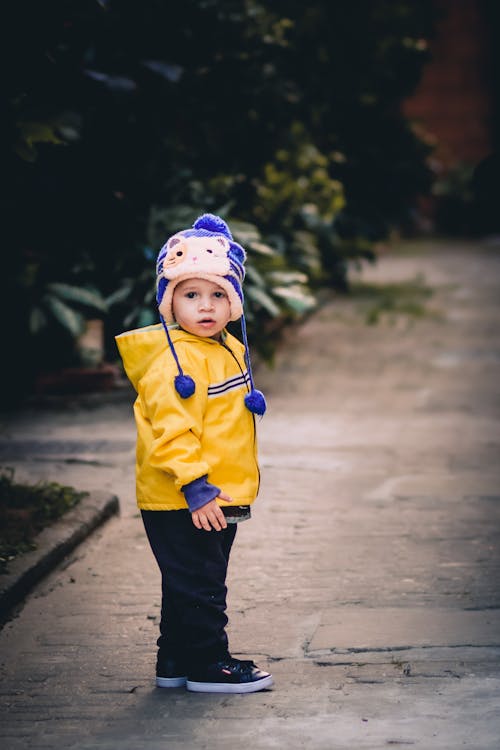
pixel 219 295
pixel 190 295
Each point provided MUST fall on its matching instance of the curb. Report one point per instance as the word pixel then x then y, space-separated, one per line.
pixel 53 544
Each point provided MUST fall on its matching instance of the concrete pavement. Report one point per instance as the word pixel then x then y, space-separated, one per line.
pixel 367 581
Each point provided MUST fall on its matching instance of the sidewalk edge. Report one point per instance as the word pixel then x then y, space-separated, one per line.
pixel 53 544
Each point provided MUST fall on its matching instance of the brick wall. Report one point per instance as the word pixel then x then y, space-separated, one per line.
pixel 453 102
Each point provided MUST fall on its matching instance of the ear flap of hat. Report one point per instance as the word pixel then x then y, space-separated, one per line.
pixel 160 289
pixel 237 254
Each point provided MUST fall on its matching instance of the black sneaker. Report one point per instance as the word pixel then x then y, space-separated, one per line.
pixel 169 674
pixel 229 676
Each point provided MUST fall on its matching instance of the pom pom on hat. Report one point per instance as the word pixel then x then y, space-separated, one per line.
pixel 184 385
pixel 213 223
pixel 256 403
pixel 206 251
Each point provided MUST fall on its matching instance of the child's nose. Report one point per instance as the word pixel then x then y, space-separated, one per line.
pixel 206 303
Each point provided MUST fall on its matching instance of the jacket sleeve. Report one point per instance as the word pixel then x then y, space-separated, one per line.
pixel 199 492
pixel 176 424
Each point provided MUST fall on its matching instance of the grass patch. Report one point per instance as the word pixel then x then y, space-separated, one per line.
pixel 27 509
pixel 392 300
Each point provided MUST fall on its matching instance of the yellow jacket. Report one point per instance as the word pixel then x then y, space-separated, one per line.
pixel 179 440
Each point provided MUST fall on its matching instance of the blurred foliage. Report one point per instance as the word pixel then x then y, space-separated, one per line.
pixel 126 120
pixel 393 301
pixel 454 195
pixel 27 509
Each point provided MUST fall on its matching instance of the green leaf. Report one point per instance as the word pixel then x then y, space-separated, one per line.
pixel 296 298
pixel 288 277
pixel 261 248
pixel 120 295
pixel 149 297
pixel 254 276
pixel 146 318
pixel 81 295
pixel 244 232
pixel 258 295
pixel 37 321
pixel 133 317
pixel 65 315
pixel 38 132
pixel 31 133
pixel 25 151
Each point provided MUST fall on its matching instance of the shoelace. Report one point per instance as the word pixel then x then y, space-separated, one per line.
pixel 238 665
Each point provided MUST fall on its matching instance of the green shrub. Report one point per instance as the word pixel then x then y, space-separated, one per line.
pixel 121 118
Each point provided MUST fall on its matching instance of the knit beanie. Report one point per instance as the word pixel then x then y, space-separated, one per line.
pixel 205 251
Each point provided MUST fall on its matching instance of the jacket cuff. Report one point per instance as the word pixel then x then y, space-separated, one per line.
pixel 199 492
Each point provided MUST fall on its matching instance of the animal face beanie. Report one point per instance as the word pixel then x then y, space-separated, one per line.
pixel 205 251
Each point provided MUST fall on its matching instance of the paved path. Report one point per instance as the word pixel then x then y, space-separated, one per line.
pixel 368 579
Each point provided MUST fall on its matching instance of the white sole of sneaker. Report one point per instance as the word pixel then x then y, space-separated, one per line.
pixel 225 687
pixel 171 682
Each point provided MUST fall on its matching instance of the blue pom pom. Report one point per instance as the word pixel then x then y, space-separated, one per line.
pixel 256 403
pixel 213 223
pixel 184 385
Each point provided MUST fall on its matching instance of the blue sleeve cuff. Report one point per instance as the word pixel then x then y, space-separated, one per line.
pixel 199 492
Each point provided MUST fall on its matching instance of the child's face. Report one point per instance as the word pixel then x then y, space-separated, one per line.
pixel 201 307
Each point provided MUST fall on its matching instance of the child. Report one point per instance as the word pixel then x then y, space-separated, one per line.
pixel 196 470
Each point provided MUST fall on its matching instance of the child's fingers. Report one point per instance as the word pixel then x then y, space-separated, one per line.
pixel 196 520
pixel 211 518
pixel 206 523
pixel 224 496
pixel 217 519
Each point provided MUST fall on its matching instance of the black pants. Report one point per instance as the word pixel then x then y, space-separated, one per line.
pixel 193 567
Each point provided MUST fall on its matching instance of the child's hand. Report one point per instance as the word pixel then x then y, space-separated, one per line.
pixel 210 516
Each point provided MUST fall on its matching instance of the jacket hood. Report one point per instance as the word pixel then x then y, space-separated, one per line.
pixel 140 347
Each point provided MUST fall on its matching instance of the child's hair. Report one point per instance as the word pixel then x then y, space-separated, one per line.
pixel 205 251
